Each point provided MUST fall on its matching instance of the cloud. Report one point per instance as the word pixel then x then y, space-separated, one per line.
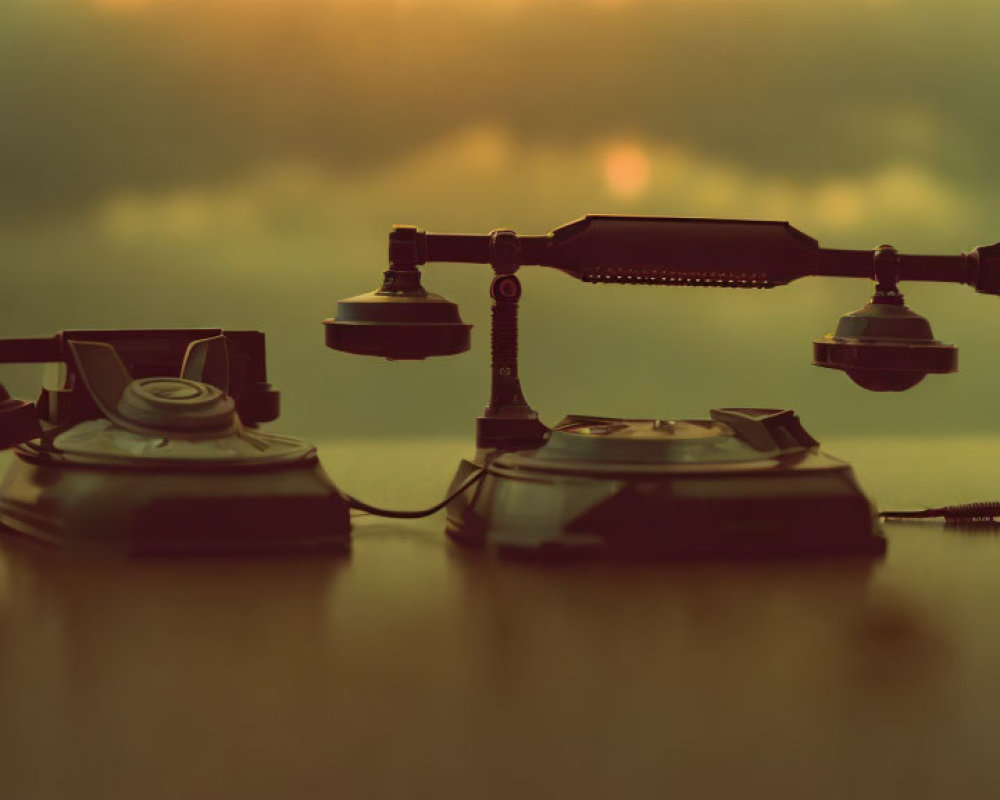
pixel 483 176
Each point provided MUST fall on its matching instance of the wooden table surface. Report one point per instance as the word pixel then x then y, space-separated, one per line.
pixel 417 669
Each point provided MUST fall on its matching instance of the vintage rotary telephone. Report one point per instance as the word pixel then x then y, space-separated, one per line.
pixel 145 441
pixel 745 481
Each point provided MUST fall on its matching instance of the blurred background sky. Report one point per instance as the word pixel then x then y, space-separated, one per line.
pixel 239 163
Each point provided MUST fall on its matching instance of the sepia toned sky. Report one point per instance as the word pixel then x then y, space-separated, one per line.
pixel 241 162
